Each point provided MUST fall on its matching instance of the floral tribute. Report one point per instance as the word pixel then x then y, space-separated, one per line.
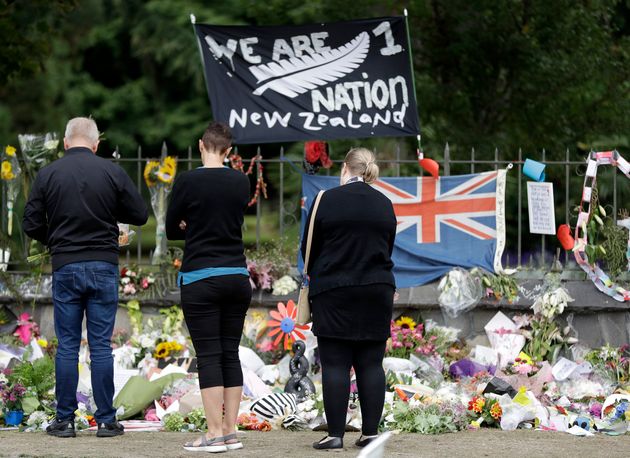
pixel 159 176
pixel 316 156
pixel 236 162
pixel 488 410
pixel 10 174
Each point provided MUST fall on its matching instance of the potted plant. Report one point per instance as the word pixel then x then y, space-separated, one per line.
pixel 12 396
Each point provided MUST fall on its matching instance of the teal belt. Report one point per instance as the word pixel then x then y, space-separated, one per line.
pixel 185 278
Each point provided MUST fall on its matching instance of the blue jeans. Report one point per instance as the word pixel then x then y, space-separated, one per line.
pixel 89 288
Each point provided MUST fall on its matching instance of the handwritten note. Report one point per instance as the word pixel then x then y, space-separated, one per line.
pixel 542 218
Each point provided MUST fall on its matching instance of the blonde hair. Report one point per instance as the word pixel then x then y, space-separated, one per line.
pixel 362 162
pixel 84 128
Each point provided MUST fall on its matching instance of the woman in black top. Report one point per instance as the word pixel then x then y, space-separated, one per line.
pixel 351 294
pixel 206 210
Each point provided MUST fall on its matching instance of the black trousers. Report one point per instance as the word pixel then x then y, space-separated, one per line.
pixel 337 357
pixel 215 309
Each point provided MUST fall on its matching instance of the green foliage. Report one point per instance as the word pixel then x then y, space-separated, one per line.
pixel 197 418
pixel 425 419
pixel 38 375
pixel 175 422
pixel 488 73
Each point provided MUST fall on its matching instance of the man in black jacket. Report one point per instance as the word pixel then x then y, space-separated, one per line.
pixel 74 206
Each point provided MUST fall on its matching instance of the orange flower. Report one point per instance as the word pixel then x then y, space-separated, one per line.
pixel 177 263
pixel 496 411
pixel 476 404
pixel 285 325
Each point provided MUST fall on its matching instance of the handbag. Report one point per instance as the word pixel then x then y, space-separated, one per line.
pixel 303 305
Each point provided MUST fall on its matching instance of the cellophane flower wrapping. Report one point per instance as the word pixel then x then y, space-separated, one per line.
pixel 38 150
pixel 159 176
pixel 10 174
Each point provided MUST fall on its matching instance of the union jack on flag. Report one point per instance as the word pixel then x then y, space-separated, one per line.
pixel 454 221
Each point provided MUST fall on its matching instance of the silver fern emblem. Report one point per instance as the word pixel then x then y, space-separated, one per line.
pixel 297 75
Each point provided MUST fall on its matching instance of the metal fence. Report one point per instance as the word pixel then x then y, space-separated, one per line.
pixel 283 175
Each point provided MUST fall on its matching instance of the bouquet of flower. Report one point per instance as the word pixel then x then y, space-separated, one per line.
pixel 12 396
pixel 249 421
pixel 38 151
pixel 409 337
pixel 612 361
pixel 425 417
pixel 10 174
pixel 489 410
pixel 159 176
pixel 260 275
pixel 133 281
pixel 284 285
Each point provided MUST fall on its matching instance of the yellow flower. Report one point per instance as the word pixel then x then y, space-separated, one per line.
pixel 406 322
pixel 10 150
pixel 6 172
pixel 42 343
pixel 167 171
pixel 162 350
pixel 150 171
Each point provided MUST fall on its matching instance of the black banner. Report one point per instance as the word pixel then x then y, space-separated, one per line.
pixel 322 81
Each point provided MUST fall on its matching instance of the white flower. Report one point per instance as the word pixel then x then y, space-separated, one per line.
pixel 147 341
pixel 51 144
pixel 3 378
pixel 284 285
pixel 125 280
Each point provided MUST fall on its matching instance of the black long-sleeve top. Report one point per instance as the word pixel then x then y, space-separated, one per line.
pixel 212 202
pixel 75 204
pixel 353 239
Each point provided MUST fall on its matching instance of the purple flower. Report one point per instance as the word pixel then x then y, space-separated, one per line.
pixel 596 410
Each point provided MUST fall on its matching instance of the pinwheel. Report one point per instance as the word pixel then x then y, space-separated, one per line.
pixel 283 324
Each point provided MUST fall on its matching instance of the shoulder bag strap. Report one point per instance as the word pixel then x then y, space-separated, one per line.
pixel 309 236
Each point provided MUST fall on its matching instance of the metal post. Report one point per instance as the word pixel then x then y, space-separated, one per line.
pixel 520 205
pixel 397 159
pixel 614 172
pixel 189 158
pixel 472 160
pixel 281 192
pixel 542 237
pixel 258 209
pixel 447 160
pixel 139 184
pixel 496 158
pixel 567 176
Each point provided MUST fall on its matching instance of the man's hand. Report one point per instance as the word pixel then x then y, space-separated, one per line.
pixel 182 225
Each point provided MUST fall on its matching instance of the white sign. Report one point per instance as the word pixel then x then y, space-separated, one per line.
pixel 542 216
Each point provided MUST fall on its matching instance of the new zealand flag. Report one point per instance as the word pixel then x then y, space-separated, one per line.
pixel 453 221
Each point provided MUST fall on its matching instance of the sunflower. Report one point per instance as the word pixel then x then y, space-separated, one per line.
pixel 406 322
pixel 150 171
pixel 496 411
pixel 285 325
pixel 167 170
pixel 10 150
pixel 476 404
pixel 6 172
pixel 162 350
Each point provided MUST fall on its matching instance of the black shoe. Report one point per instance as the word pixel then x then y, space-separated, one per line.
pixel 329 443
pixel 110 429
pixel 363 441
pixel 61 428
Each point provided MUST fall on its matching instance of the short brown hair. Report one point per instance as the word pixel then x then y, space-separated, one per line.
pixel 217 137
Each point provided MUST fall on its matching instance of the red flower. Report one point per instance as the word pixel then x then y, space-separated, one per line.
pixel 317 151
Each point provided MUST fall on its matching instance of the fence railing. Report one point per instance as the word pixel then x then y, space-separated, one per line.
pixel 278 216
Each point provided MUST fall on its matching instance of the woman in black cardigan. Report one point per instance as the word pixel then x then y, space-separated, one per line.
pixel 206 210
pixel 351 294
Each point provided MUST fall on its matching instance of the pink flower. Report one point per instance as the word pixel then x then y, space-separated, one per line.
pixel 397 344
pixel 151 415
pixel 25 328
pixel 523 369
pixel 145 283
pixel 129 289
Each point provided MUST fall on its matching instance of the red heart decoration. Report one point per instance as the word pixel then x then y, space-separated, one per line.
pixel 564 236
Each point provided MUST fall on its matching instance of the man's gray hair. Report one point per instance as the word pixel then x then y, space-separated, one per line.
pixel 82 128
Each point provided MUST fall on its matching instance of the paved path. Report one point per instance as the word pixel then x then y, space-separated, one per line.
pixel 476 444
